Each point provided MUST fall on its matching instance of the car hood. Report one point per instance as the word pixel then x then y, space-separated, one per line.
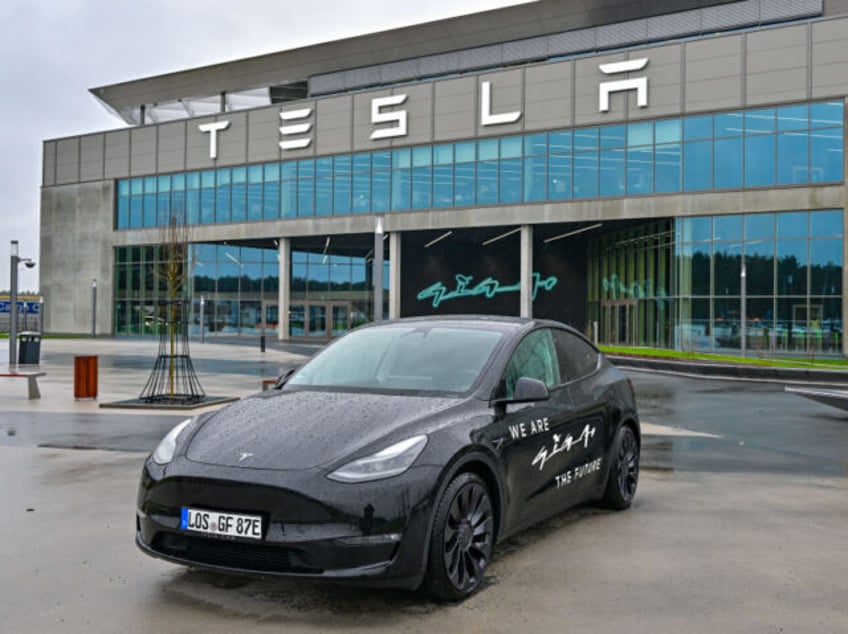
pixel 306 429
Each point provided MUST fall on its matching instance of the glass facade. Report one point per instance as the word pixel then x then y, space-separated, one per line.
pixel 763 147
pixel 329 294
pixel 792 282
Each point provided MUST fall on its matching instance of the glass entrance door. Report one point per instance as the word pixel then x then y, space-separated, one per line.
pixel 319 320
pixel 620 322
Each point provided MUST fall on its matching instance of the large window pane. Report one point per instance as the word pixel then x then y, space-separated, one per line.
pixel 640 170
pixel 254 201
pixel 728 228
pixel 825 267
pixel 464 184
pixel 509 183
pixel 271 200
pixel 826 114
pixel 728 268
pixel 727 163
pixel 696 229
pixel 535 178
pixel 759 160
pixel 401 185
pixel 239 202
pixel 443 185
pixel 792 267
pixel 559 176
pixel 612 172
pixel 668 131
pixel 759 226
pixel 667 168
pixel 697 165
pixel 585 174
pixel 793 117
pixel 729 124
pixel 697 128
pixel 487 182
pixel 793 224
pixel 759 267
pixel 793 158
pixel 422 178
pixel 759 121
pixel 826 155
pixel 288 199
pixel 826 223
pixel 560 142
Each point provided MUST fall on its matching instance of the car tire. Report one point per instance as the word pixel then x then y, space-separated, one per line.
pixel 624 470
pixel 461 540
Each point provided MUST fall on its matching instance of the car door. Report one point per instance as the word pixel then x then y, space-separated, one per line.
pixel 528 433
pixel 588 390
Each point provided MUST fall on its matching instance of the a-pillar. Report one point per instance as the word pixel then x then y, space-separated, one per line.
pixel 283 300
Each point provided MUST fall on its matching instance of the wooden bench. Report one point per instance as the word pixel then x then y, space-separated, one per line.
pixel 31 378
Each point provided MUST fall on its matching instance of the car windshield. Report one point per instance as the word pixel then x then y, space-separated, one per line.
pixel 440 359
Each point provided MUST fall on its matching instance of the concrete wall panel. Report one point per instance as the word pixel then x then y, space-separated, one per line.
pixel 456 108
pixel 506 97
pixel 547 96
pixel 117 154
pixel 143 150
pixel 362 126
pixel 664 73
pixel 776 65
pixel 587 77
pixel 335 125
pixel 830 59
pixel 232 142
pixel 76 223
pixel 197 144
pixel 171 147
pixel 419 108
pixel 714 74
pixel 67 161
pixel 263 135
pixel 48 164
pixel 91 158
pixel 309 150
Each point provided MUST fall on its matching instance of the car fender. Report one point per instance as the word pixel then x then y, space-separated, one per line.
pixel 466 456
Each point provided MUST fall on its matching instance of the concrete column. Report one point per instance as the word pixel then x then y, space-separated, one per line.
pixel 526 306
pixel 844 237
pixel 283 299
pixel 394 274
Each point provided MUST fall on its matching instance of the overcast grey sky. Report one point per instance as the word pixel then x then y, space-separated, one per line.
pixel 53 51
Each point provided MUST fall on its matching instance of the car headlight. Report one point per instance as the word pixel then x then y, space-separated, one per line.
pixel 386 463
pixel 165 451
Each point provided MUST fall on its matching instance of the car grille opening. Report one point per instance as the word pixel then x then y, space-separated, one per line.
pixel 232 554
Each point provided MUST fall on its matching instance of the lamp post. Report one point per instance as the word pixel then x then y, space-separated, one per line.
pixel 14 261
pixel 378 270
pixel 93 307
pixel 744 284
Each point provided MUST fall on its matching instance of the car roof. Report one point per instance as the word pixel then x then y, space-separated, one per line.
pixel 489 322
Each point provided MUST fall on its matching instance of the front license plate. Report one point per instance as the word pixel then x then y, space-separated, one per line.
pixel 217 523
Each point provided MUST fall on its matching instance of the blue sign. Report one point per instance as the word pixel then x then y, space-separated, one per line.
pixel 24 307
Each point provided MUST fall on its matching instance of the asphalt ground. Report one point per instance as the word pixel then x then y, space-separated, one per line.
pixel 738 526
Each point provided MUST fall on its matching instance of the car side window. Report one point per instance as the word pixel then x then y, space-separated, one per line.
pixel 577 358
pixel 535 357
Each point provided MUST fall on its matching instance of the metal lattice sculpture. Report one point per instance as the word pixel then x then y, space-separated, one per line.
pixel 173 379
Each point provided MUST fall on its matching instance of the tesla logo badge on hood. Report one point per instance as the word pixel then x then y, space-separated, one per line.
pixel 244 456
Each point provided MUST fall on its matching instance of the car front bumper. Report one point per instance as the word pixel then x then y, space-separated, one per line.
pixel 374 533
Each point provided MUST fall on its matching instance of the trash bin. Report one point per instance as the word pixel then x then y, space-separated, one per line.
pixel 29 348
pixel 85 377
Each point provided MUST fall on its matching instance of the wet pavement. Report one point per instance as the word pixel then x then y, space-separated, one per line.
pixel 738 524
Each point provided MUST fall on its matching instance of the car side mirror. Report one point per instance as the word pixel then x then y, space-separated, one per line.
pixel 528 389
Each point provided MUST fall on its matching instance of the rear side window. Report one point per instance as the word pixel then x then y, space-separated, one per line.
pixel 577 358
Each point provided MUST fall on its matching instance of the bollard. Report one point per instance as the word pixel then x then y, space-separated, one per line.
pixel 262 343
